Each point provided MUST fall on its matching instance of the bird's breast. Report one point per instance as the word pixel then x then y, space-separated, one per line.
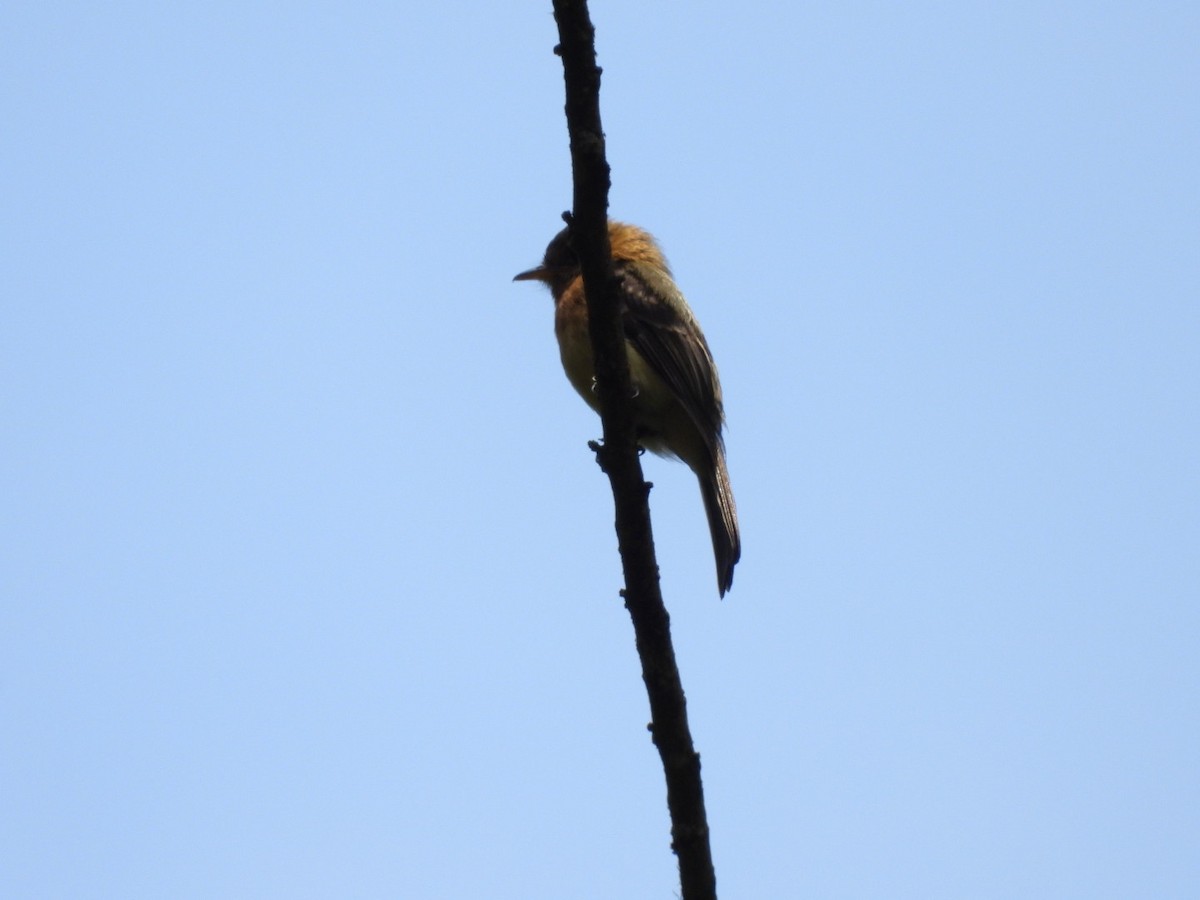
pixel 574 345
pixel 658 412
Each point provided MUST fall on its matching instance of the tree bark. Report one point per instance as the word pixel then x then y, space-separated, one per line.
pixel 618 455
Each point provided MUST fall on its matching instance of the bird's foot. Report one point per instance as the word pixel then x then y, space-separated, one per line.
pixel 633 394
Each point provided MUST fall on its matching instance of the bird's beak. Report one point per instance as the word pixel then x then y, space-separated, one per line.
pixel 541 273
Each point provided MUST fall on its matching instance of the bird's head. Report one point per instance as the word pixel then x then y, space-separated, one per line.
pixel 560 264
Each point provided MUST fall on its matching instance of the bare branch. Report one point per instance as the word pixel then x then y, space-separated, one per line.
pixel 618 456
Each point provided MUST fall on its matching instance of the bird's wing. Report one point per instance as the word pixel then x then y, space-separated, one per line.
pixel 661 327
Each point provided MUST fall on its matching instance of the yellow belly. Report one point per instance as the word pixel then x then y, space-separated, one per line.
pixel 660 417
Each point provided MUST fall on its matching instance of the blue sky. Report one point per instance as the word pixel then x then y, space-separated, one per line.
pixel 308 584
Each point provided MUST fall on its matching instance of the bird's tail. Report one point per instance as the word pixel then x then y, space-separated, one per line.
pixel 722 520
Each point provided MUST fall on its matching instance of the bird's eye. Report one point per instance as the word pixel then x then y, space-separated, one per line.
pixel 560 254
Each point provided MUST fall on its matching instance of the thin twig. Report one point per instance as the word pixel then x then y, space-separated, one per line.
pixel 618 456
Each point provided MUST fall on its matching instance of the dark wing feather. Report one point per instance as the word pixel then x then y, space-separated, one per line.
pixel 659 324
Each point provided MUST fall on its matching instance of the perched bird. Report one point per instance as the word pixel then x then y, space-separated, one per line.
pixel 677 396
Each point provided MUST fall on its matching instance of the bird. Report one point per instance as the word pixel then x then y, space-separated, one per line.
pixel 678 407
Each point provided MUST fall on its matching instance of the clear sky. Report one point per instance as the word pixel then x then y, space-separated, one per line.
pixel 308 583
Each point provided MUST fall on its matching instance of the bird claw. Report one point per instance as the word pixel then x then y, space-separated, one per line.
pixel 633 395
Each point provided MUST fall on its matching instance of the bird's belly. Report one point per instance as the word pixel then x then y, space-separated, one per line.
pixel 654 404
pixel 575 350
